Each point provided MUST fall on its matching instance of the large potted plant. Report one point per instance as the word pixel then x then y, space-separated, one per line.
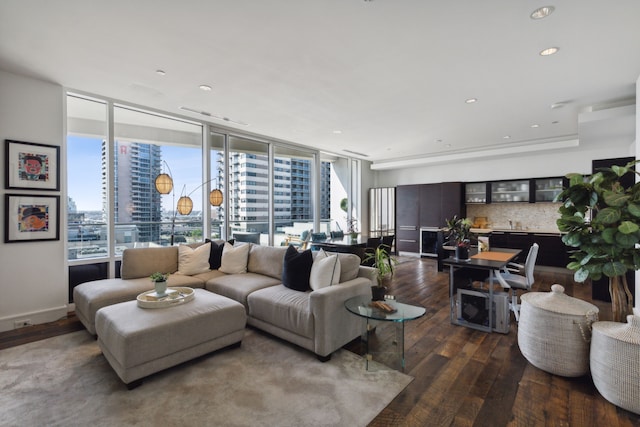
pixel 460 235
pixel 384 264
pixel 600 218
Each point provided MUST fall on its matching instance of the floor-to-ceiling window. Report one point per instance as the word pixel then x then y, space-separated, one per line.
pixel 293 188
pixel 248 189
pixel 87 231
pixel 217 176
pixel 115 152
pixel 146 145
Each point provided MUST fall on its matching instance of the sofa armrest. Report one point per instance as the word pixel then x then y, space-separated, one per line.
pixel 334 326
pixel 370 273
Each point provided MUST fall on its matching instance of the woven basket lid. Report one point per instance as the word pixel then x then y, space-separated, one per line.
pixel 627 332
pixel 557 302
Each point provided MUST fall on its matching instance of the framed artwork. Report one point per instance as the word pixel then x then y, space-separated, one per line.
pixel 32 166
pixel 31 218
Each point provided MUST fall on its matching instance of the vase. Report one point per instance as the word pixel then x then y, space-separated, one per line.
pixel 378 293
pixel 161 287
pixel 462 253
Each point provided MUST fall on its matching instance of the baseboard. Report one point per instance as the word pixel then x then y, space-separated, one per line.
pixel 33 317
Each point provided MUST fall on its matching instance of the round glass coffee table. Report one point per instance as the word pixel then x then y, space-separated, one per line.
pixel 390 311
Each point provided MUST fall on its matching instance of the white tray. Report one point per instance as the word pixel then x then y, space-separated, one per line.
pixel 181 296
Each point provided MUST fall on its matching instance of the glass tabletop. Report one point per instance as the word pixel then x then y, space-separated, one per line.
pixel 364 307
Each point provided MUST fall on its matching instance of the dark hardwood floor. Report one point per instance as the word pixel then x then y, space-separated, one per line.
pixel 463 377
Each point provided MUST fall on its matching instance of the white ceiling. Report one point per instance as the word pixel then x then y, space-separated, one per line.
pixel 391 75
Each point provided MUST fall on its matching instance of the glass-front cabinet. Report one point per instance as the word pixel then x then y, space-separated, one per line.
pixel 475 192
pixel 548 188
pixel 510 191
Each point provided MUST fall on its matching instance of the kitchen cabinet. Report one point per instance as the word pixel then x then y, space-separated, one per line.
pixel 475 192
pixel 552 251
pixel 512 240
pixel 408 218
pixel 510 191
pixel 424 205
pixel 546 189
pixel 430 205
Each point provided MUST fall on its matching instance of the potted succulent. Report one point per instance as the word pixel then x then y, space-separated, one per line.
pixel 460 235
pixel 601 220
pixel 160 282
pixel 384 264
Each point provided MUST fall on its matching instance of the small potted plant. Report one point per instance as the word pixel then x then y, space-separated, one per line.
pixel 384 264
pixel 160 282
pixel 460 235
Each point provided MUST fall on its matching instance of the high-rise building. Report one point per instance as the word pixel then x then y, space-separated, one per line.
pixel 137 212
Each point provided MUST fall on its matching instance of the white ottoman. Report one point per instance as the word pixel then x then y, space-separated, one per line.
pixel 138 342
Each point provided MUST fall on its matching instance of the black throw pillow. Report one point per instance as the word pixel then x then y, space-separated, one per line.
pixel 297 269
pixel 215 256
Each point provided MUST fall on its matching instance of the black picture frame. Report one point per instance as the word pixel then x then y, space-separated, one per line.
pixel 31 166
pixel 31 218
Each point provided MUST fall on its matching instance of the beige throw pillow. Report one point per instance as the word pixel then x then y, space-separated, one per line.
pixel 325 271
pixel 234 258
pixel 193 261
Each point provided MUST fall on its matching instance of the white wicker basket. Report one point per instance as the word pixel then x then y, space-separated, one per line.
pixel 554 331
pixel 615 362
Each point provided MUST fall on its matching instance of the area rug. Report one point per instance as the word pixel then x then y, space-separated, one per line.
pixel 66 381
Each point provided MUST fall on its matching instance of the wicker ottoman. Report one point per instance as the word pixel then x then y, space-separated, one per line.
pixel 615 362
pixel 554 331
pixel 138 342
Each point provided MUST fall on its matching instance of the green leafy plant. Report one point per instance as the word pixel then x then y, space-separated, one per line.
pixel 383 262
pixel 159 277
pixel 600 218
pixel 459 230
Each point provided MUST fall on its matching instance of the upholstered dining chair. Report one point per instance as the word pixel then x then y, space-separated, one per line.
pixel 337 234
pixel 517 276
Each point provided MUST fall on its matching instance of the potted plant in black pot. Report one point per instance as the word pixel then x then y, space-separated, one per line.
pixel 601 220
pixel 460 236
pixel 384 264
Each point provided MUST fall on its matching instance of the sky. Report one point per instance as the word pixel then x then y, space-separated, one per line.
pixel 85 170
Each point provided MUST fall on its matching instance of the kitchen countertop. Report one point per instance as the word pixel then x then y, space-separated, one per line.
pixel 513 230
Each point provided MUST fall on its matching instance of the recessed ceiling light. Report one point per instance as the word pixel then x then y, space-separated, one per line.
pixel 535 126
pixel 160 72
pixel 549 51
pixel 542 12
pixel 471 100
pixel 506 137
pixel 337 131
pixel 205 88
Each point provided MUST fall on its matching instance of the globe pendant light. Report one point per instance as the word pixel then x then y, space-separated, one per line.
pixel 215 197
pixel 164 183
pixel 185 205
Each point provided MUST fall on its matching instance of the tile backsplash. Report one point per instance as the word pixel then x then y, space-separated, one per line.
pixel 524 216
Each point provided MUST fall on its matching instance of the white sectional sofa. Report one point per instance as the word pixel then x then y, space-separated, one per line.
pixel 313 319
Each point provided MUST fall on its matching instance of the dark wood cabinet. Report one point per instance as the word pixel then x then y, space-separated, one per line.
pixel 430 205
pixel 452 201
pixel 552 252
pixel 424 205
pixel 408 218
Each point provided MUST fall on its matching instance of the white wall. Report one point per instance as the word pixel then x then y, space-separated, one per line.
pixel 34 278
pixel 538 165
